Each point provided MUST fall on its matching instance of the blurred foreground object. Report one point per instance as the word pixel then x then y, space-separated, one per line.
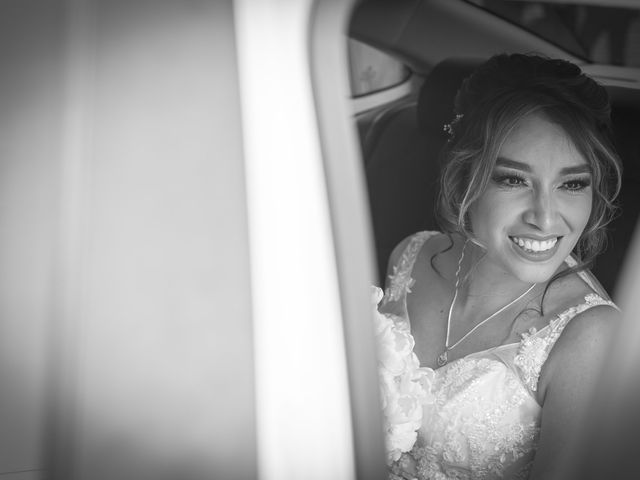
pixel 610 445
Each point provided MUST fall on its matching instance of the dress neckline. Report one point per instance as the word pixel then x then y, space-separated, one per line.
pixel 406 274
pixel 472 354
pixel 590 299
pixel 480 352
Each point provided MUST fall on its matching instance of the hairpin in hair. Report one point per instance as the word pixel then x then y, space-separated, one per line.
pixel 448 127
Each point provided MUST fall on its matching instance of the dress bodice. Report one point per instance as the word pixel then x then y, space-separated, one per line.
pixel 478 417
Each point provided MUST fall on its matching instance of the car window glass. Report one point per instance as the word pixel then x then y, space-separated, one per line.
pixel 598 33
pixel 372 70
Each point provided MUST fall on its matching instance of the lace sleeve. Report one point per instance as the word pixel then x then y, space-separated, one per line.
pixel 399 279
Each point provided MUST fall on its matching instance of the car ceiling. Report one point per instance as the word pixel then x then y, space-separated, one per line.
pixel 424 32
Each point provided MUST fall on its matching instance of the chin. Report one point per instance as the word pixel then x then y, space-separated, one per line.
pixel 536 275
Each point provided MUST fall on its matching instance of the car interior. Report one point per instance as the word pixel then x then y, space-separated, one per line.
pixel 441 42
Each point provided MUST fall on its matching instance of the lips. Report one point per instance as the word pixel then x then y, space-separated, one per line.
pixel 533 245
pixel 535 250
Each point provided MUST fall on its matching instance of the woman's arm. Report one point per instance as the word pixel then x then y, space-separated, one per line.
pixel 567 384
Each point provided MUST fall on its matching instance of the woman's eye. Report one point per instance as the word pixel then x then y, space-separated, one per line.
pixel 576 185
pixel 510 181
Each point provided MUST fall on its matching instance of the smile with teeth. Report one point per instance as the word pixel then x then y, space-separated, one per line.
pixel 531 245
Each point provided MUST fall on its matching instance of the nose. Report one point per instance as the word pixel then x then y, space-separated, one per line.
pixel 542 212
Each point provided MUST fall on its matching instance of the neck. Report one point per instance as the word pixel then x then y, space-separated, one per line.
pixel 482 280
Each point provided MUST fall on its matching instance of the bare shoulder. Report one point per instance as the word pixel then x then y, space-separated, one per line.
pixel 582 349
pixel 589 329
pixel 569 380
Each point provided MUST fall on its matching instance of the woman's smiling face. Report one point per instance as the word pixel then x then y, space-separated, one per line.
pixel 537 203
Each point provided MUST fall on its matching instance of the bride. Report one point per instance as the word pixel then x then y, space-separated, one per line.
pixel 492 333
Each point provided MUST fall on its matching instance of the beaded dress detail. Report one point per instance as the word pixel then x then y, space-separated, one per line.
pixel 480 418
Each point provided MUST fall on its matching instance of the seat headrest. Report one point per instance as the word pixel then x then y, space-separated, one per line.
pixel 435 101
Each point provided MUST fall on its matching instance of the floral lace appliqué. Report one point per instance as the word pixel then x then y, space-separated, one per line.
pixel 476 427
pixel 400 281
pixel 534 347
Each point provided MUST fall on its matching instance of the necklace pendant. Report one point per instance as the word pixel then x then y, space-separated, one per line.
pixel 442 359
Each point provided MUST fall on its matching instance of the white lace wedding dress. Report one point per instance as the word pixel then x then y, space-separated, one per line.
pixel 474 418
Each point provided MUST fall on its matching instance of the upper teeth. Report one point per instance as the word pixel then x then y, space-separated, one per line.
pixel 535 245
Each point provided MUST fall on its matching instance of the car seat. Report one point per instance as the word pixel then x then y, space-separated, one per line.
pixel 401 149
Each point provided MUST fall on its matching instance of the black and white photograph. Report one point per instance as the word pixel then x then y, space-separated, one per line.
pixel 319 239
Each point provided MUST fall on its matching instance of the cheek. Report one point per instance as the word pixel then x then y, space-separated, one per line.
pixel 488 215
pixel 581 212
pixel 493 207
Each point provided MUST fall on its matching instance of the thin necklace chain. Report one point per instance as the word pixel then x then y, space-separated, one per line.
pixel 443 357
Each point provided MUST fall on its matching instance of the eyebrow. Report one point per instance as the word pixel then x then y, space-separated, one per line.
pixel 524 167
